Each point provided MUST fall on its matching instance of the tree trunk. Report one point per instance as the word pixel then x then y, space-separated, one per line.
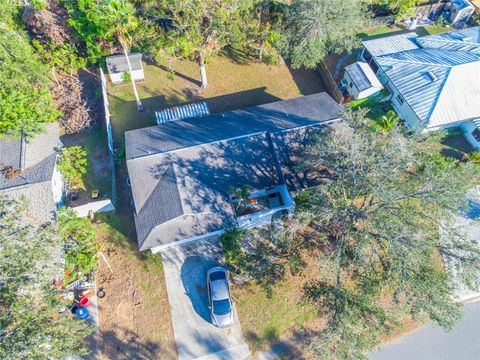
pixel 260 52
pixel 203 71
pixel 137 98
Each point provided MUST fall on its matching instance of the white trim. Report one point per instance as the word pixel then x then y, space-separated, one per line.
pixel 161 248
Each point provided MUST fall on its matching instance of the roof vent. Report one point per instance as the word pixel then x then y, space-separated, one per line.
pixel 430 76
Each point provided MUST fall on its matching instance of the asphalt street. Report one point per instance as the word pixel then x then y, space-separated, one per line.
pixel 433 343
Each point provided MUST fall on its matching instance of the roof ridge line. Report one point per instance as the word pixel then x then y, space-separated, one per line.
pixel 437 97
pixel 415 62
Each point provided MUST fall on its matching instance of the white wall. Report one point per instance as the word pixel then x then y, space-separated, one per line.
pixel 468 128
pixel 57 186
pixel 95 207
pixel 119 77
pixel 352 90
pixel 404 110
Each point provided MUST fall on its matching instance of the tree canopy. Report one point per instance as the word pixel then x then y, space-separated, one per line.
pixel 31 326
pixel 25 100
pixel 378 223
pixel 197 29
pixel 315 28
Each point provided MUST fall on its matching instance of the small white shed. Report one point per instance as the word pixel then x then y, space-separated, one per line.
pixel 360 81
pixel 458 11
pixel 117 67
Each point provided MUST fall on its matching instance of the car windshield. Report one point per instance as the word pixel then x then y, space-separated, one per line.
pixel 221 307
pixel 217 275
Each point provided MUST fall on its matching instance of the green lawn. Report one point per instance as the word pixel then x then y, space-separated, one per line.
pixel 98 175
pixel 379 31
pixel 383 30
pixel 235 82
pixel 432 29
pixel 375 108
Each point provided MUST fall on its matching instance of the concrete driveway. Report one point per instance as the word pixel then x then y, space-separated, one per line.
pixel 196 337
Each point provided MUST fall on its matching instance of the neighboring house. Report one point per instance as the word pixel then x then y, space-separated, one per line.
pixel 458 11
pixel 117 67
pixel 184 173
pixel 434 80
pixel 33 172
pixel 360 81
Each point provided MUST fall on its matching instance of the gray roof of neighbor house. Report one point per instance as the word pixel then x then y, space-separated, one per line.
pixel 118 63
pixel 439 76
pixel 181 187
pixel 273 117
pixel 36 157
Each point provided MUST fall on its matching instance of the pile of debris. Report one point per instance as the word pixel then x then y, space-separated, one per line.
pixel 49 26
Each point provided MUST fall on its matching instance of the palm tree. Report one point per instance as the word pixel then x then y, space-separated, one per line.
pixel 387 121
pixel 118 17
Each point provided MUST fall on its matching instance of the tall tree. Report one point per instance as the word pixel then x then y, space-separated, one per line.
pixel 260 26
pixel 315 28
pixel 31 326
pixel 119 21
pixel 199 29
pixel 378 223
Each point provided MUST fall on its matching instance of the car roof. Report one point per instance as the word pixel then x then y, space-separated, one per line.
pixel 219 290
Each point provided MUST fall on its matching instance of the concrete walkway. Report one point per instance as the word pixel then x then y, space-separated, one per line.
pixel 185 270
pixel 433 343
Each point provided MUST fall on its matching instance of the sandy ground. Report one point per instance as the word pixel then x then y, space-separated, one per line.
pixel 134 314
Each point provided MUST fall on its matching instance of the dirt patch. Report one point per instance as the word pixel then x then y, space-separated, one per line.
pixel 134 314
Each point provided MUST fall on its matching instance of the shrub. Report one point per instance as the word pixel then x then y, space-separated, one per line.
pixel 73 163
pixel 80 245
pixel 231 245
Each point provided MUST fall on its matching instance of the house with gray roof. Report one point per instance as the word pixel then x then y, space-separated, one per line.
pixel 434 80
pixel 28 170
pixel 187 176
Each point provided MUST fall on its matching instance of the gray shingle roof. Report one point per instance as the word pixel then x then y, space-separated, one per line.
pixel 118 63
pixel 197 182
pixel 37 154
pixel 274 117
pixel 186 193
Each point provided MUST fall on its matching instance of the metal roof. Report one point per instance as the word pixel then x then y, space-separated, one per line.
pixel 182 112
pixel 462 4
pixel 441 80
pixel 118 63
pixel 363 76
pixel 391 44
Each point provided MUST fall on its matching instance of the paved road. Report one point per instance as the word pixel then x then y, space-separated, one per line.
pixel 430 343
pixel 196 337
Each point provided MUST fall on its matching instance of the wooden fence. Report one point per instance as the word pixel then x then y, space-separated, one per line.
pixel 329 82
